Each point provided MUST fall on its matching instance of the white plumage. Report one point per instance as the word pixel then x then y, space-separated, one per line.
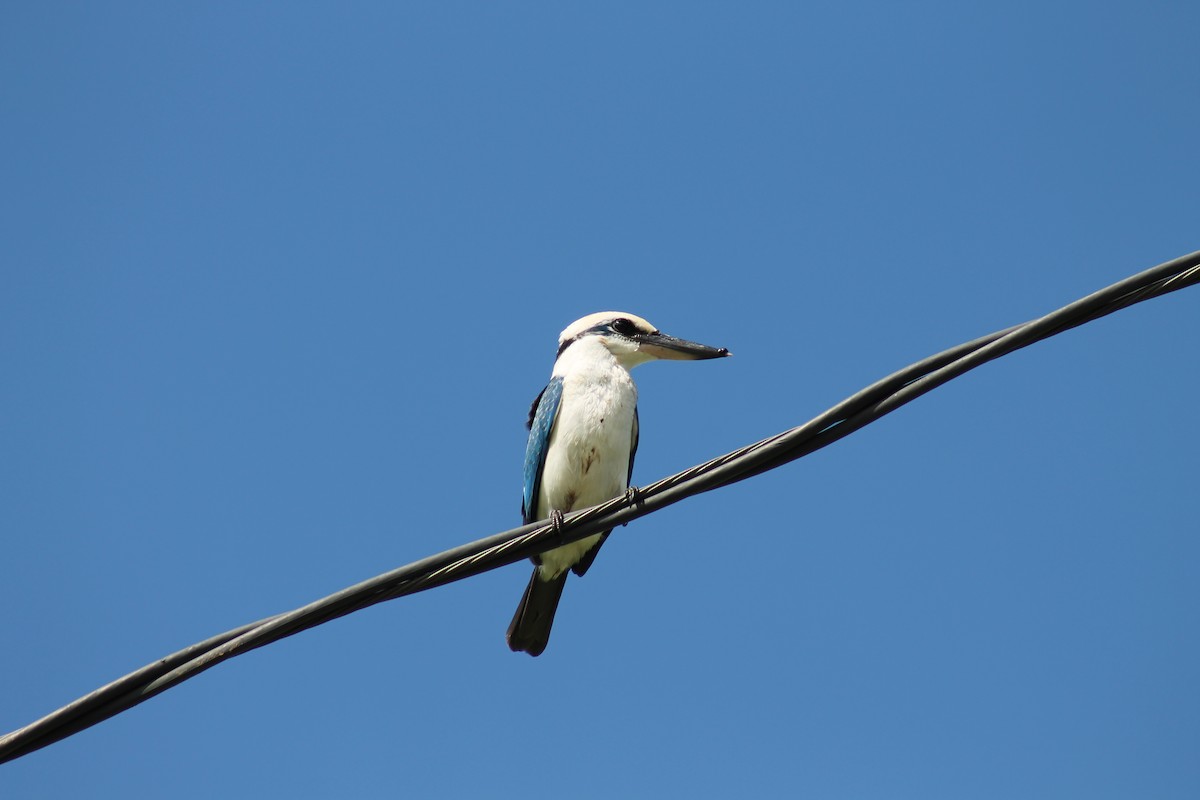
pixel 587 459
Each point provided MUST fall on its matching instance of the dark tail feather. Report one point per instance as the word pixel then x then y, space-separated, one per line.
pixel 530 627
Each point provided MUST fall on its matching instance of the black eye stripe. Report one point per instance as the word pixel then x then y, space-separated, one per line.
pixel 621 325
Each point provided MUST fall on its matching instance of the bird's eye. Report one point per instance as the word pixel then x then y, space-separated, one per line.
pixel 624 326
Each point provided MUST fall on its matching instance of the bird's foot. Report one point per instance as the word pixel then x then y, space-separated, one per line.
pixel 556 521
pixel 633 495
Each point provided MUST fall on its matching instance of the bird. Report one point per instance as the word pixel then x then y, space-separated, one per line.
pixel 583 435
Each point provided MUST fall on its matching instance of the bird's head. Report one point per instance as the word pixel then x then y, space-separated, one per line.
pixel 633 340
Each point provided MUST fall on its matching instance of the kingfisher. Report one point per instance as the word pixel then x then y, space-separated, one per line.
pixel 583 435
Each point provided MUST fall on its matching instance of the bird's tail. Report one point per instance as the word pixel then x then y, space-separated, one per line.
pixel 530 627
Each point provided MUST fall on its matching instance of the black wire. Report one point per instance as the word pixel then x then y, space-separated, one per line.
pixel 861 409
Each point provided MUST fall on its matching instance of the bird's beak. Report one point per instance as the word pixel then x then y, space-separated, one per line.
pixel 660 345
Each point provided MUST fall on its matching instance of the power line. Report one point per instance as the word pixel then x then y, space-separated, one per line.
pixel 863 408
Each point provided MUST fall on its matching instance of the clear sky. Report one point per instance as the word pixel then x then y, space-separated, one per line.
pixel 279 281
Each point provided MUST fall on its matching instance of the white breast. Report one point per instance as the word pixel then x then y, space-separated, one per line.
pixel 587 460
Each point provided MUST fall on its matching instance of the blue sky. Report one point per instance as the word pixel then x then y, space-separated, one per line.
pixel 278 283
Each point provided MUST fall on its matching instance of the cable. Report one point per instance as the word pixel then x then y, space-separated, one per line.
pixel 863 408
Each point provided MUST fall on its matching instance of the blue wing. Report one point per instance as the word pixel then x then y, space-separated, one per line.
pixel 541 422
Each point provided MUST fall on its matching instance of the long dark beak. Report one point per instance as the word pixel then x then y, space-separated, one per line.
pixel 660 345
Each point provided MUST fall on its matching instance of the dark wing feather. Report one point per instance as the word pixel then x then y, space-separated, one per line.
pixel 633 448
pixel 541 422
pixel 533 409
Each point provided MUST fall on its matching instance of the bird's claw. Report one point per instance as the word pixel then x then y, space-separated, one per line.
pixel 633 496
